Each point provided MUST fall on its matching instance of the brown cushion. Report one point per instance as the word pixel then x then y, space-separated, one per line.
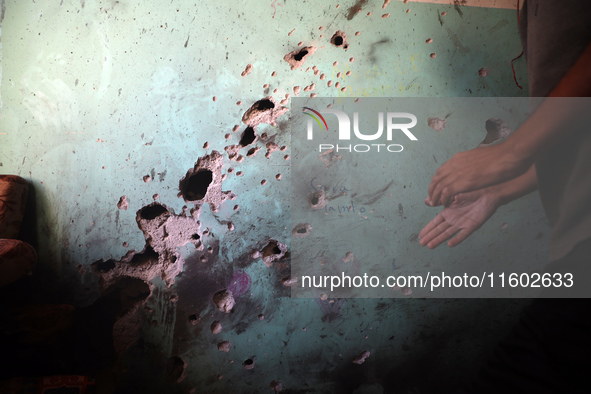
pixel 17 258
pixel 13 199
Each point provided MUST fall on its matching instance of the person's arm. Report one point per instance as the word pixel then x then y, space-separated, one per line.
pixel 485 166
pixel 468 211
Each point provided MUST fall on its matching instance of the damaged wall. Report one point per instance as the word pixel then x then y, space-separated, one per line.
pixel 156 139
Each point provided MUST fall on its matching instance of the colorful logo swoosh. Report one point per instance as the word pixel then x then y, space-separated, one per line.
pixel 304 109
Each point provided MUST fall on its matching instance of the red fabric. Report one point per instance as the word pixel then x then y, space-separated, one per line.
pixel 13 199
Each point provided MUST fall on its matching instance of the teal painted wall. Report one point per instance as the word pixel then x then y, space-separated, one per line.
pixel 97 94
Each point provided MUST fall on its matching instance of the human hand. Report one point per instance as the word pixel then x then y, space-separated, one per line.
pixel 473 170
pixel 466 213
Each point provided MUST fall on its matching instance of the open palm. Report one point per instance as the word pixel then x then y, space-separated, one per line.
pixel 464 215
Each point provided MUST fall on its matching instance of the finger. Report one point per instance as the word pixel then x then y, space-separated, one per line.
pixel 437 220
pixel 433 186
pixel 461 236
pixel 435 191
pixel 434 233
pixel 442 237
pixel 428 202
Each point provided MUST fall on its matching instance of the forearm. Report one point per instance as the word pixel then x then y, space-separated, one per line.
pixel 545 127
pixel 506 192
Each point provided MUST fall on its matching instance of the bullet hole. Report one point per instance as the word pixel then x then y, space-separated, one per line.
pixel 155 196
pixel 239 173
pixel 195 187
pixel 266 110
pixel 216 327
pixel 274 74
pixel 329 83
pixel 103 266
pixel 224 300
pixel 193 319
pixel 236 207
pixel 496 130
pixel 247 70
pixel 323 296
pixel 264 104
pixel 298 57
pixel 261 316
pixel 336 63
pixel 339 39
pixel 278 177
pixel 337 85
pixel 214 98
pixel 125 244
pixel 433 55
pixel 348 257
pixel 253 151
pixel 230 170
pixel 263 182
pixel 291 32
pixel 146 257
pixel 235 128
pixel 230 226
pixel 429 40
pixel 317 200
pixel 444 13
pixel 357 33
pixel 351 59
pixel 288 281
pixel 248 363
pixel 147 178
pixel 224 346
pixel 386 16
pixel 255 254
pixel 240 158
pixel 483 72
pixel 436 124
pixel 152 211
pixel 360 358
pixel 276 386
pixel 322 76
pixel 228 136
pixel 286 157
pixel 238 102
pixel 123 203
pixel 176 369
pixel 301 230
pixel 274 251
pixel 206 145
pixel 203 259
pixel 343 89
pixel 195 236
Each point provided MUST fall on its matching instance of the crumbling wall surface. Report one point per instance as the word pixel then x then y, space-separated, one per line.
pixel 155 136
